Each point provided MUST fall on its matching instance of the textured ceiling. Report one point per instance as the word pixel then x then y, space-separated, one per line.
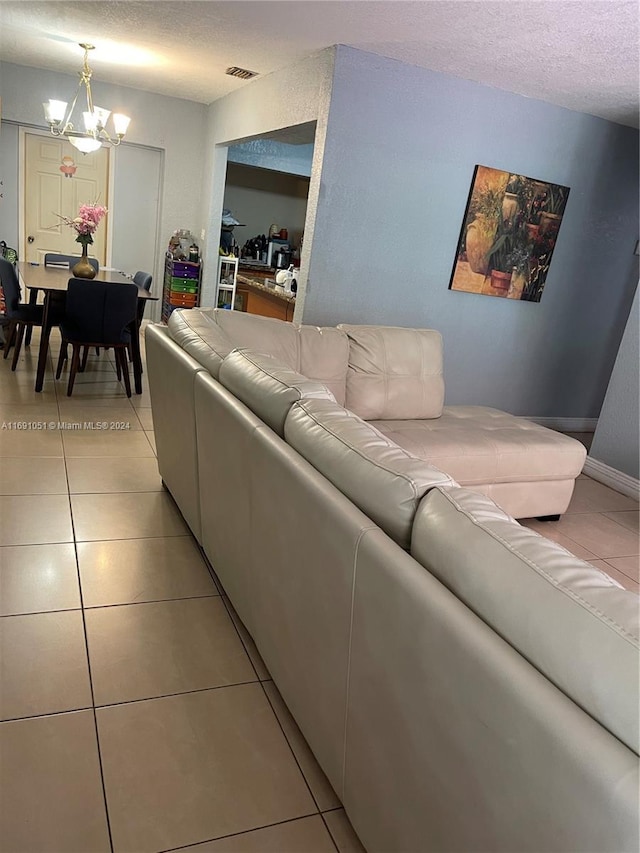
pixel 580 54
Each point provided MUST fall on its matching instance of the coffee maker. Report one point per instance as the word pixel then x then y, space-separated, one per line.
pixel 278 254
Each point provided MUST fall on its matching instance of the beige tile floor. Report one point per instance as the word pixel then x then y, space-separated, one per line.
pixel 600 526
pixel 136 712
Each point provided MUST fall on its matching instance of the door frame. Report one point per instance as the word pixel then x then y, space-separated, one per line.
pixel 22 237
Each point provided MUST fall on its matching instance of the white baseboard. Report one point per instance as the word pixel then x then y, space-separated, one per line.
pixel 618 480
pixel 567 424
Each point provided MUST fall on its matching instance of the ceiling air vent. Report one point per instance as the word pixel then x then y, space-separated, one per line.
pixel 242 73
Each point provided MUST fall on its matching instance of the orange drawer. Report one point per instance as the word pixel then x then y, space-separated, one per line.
pixel 185 300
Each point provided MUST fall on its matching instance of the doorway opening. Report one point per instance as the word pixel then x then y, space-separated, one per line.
pixel 264 211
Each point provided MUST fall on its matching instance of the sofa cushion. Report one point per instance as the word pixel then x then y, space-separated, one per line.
pixel 261 334
pixel 394 372
pixel 476 445
pixel 267 386
pixel 324 356
pixel 385 481
pixel 318 353
pixel 198 333
pixel 572 622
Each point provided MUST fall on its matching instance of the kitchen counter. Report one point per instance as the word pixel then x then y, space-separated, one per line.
pixel 256 297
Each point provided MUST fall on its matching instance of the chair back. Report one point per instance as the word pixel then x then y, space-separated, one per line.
pixel 51 259
pixel 10 287
pixel 143 279
pixel 99 311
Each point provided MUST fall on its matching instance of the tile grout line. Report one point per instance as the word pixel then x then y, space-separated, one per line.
pixel 284 734
pixel 245 832
pixel 609 512
pixel 616 569
pixel 107 606
pixel 48 714
pixel 152 600
pixel 578 545
pixel 92 541
pixel 86 645
pixel 327 827
pixel 125 702
pixel 261 683
pixel 622 557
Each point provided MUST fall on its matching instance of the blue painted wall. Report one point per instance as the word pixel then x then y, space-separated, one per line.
pixel 616 440
pixel 400 150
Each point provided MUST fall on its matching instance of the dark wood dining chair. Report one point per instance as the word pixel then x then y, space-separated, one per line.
pixel 17 316
pixel 143 280
pixel 51 259
pixel 97 314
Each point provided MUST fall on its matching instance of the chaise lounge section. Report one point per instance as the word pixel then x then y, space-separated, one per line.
pixel 393 378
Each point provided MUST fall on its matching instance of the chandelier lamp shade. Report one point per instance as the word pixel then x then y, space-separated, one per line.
pixel 94 118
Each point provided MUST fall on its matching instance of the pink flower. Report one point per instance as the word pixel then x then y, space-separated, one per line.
pixel 86 222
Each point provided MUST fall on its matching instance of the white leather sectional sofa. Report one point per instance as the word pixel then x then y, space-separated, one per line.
pixel 465 684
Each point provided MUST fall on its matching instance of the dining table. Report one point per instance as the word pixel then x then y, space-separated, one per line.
pixel 52 280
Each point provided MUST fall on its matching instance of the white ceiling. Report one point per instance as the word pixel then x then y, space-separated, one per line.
pixel 580 54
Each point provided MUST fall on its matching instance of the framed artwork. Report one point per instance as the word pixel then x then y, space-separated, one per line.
pixel 508 235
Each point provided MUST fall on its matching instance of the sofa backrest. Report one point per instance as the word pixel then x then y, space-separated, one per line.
pixel 198 333
pixel 261 334
pixel 209 334
pixel 267 386
pixel 383 480
pixel 394 373
pixel 317 353
pixel 576 625
pixel 324 356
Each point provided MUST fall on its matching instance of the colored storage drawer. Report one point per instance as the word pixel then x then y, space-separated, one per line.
pixel 187 279
pixel 186 269
pixel 183 297
pixel 183 300
pixel 181 285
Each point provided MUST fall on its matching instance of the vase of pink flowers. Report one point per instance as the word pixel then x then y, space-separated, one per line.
pixel 88 218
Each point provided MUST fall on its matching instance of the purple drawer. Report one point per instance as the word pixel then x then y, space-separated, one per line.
pixel 184 269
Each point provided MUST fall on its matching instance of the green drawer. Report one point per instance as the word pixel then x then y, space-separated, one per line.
pixel 183 288
pixel 187 282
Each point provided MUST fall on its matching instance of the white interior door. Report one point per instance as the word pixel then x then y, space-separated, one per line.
pixel 58 179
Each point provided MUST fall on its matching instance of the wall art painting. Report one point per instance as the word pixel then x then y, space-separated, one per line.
pixel 508 235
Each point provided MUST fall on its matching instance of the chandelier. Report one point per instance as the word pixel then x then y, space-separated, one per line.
pixel 95 118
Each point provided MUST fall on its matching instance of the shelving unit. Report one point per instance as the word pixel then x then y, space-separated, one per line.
pixel 227 282
pixel 182 280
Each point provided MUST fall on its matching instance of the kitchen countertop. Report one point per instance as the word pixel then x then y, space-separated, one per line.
pixel 256 279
